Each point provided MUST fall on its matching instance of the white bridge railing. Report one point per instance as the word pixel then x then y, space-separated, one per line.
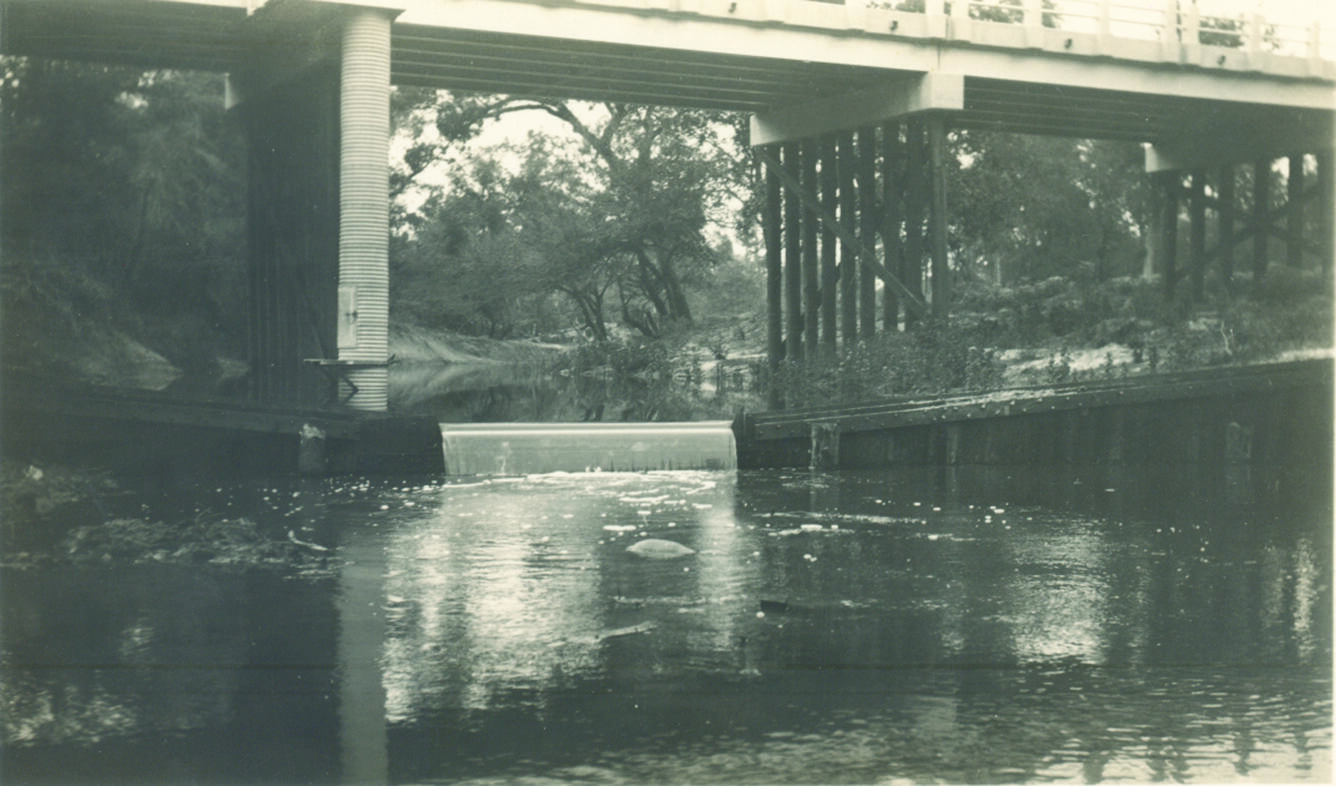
pixel 1170 22
pixel 1228 34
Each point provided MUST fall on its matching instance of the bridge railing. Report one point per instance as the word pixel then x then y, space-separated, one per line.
pixel 1167 21
pixel 1215 34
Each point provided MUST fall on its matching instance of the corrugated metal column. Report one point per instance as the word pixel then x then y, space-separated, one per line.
pixel 364 118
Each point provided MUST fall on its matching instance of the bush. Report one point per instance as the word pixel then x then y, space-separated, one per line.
pixel 931 358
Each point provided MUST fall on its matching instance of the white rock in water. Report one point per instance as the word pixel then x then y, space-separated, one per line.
pixel 654 548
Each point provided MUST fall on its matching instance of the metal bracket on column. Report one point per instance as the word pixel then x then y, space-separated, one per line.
pixel 829 221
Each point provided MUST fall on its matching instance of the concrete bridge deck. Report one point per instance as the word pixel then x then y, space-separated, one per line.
pixel 312 79
pixel 1142 70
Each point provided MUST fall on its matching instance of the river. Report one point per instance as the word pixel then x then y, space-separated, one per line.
pixel 968 625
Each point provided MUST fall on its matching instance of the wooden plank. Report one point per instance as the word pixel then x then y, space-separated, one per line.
pixel 1212 383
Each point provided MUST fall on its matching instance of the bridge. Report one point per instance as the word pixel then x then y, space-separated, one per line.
pixel 850 106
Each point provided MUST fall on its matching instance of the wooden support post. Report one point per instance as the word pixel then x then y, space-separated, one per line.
pixel 1225 231
pixel 1197 230
pixel 848 253
pixel 771 225
pixel 1294 222
pixel 891 183
pixel 941 273
pixel 1169 187
pixel 825 450
pixel 1260 207
pixel 914 209
pixel 830 183
pixel 811 287
pixel 793 276
pixel 1326 200
pixel 867 229
pixel 811 203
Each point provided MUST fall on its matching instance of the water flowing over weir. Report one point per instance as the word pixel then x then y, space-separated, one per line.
pixel 529 448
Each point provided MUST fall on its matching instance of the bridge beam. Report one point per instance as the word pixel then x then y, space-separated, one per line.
pixel 910 95
pixel 1211 141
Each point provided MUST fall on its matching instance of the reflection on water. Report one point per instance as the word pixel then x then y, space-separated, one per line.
pixel 869 627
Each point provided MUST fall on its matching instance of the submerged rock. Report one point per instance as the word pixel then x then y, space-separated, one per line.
pixel 655 548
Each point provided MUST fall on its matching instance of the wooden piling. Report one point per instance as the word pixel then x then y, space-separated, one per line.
pixel 1260 207
pixel 830 184
pixel 1326 186
pixel 848 254
pixel 914 209
pixel 941 274
pixel 1225 230
pixel 1168 191
pixel 867 210
pixel 793 278
pixel 1197 232
pixel 1294 221
pixel 891 182
pixel 811 288
pixel 771 226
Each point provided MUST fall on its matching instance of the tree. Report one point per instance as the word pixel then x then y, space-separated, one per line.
pixel 650 181
pixel 1029 207
pixel 120 187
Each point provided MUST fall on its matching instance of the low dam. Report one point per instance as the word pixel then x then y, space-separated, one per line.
pixel 530 448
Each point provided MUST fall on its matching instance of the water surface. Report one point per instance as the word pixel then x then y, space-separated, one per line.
pixel 912 625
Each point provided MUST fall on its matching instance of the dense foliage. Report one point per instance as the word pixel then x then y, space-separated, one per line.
pixel 630 231
pixel 621 215
pixel 123 195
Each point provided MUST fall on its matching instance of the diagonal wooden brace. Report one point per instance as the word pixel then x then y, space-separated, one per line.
pixel 829 221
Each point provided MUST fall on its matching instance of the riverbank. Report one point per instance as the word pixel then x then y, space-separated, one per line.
pixel 1054 331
